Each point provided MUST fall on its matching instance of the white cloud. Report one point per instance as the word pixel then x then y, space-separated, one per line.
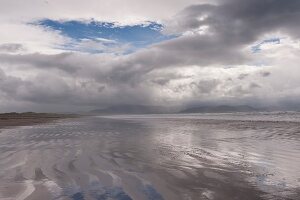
pixel 123 12
pixel 32 38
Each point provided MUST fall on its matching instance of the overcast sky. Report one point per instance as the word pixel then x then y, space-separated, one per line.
pixel 69 55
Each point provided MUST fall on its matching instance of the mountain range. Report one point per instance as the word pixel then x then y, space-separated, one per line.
pixel 144 109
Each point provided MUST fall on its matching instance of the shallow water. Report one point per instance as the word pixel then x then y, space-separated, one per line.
pixel 154 157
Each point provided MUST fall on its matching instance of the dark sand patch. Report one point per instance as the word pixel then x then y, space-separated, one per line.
pixel 29 118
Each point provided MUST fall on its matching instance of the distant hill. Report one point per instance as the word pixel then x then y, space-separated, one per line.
pixel 132 109
pixel 220 109
pixel 144 109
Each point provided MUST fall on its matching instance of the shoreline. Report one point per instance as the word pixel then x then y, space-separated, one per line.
pixel 27 119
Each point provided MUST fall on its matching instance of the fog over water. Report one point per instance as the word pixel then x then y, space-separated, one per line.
pixel 154 157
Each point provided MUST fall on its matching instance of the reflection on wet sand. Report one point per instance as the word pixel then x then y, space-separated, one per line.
pixel 151 158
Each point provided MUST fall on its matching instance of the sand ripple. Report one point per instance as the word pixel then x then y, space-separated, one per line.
pixel 155 158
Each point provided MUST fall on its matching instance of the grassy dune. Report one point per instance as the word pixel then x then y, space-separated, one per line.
pixel 30 118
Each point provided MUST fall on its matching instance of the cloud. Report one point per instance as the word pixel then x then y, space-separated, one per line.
pixel 243 76
pixel 265 74
pixel 229 27
pixel 210 60
pixel 129 12
pixel 11 47
pixel 241 20
pixel 31 38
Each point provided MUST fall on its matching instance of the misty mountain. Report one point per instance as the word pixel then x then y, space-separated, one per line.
pixel 220 109
pixel 145 109
pixel 133 109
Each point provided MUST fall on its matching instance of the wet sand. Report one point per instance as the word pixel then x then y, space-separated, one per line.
pixel 151 158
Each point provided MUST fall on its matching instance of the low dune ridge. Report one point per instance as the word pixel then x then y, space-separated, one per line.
pixel 30 118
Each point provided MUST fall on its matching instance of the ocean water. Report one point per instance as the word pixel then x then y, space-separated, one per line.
pixel 154 157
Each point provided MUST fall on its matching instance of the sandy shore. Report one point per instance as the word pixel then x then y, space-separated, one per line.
pixel 29 118
pixel 151 158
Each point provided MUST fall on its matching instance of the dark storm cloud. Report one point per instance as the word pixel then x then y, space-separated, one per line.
pixel 232 25
pixel 242 20
pixel 63 61
pixel 49 88
pixel 42 89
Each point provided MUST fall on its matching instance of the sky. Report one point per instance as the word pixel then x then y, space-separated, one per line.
pixel 74 55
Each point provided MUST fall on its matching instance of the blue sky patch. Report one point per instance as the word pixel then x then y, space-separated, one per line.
pixel 257 48
pixel 100 37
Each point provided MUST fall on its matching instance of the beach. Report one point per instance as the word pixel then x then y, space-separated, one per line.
pixel 153 157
